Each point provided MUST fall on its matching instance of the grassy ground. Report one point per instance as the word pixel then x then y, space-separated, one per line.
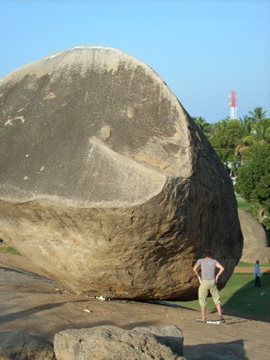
pixel 244 264
pixel 241 298
pixel 243 204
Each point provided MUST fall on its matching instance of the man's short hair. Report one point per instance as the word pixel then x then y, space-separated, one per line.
pixel 208 253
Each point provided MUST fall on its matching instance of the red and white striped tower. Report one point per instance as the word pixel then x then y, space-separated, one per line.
pixel 233 104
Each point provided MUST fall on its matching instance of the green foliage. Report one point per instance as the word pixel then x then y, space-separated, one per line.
pixel 8 250
pixel 253 179
pixel 203 125
pixel 243 204
pixel 257 114
pixel 225 137
pixel 243 146
pixel 254 210
pixel 231 138
pixel 260 131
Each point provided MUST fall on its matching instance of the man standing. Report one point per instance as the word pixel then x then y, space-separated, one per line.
pixel 257 274
pixel 208 280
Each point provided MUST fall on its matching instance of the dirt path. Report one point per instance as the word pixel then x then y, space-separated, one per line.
pixel 249 270
pixel 36 304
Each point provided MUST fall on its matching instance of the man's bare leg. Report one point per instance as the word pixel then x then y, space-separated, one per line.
pixel 218 306
pixel 203 312
pixel 219 310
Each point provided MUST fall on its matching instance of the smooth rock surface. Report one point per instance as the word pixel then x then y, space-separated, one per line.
pixel 111 342
pixel 105 182
pixel 254 235
pixel 18 345
pixel 253 254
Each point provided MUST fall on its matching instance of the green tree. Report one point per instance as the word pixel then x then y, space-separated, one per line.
pixel 202 123
pixel 245 138
pixel 253 132
pixel 253 179
pixel 257 114
pixel 249 130
pixel 225 137
pixel 260 131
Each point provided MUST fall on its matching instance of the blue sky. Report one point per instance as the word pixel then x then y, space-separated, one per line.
pixel 201 49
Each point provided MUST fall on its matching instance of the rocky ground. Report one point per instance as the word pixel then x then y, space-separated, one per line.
pixel 32 302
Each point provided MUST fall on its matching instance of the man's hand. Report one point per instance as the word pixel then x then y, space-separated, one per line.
pixel 221 269
pixel 195 269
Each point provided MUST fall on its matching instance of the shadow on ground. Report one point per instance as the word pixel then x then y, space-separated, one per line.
pixel 233 350
pixel 23 272
pixel 251 302
pixel 24 313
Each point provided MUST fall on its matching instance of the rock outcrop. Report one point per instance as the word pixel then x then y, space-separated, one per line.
pixel 255 240
pixel 106 182
pixel 254 235
pixel 22 346
pixel 111 342
pixel 253 254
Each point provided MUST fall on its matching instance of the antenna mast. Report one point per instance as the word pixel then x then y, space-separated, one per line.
pixel 233 104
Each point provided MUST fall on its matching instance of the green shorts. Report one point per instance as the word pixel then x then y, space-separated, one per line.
pixel 208 285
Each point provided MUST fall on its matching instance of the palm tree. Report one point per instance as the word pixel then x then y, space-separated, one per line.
pixel 255 128
pixel 261 131
pixel 246 138
pixel 257 114
pixel 246 124
pixel 201 122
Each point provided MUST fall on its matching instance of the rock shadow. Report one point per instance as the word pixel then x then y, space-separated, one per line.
pixel 233 350
pixel 170 304
pixel 23 313
pixel 26 273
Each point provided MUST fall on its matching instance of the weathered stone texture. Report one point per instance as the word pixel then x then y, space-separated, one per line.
pixel 111 342
pixel 18 345
pixel 105 180
pixel 255 239
pixel 253 254
pixel 254 235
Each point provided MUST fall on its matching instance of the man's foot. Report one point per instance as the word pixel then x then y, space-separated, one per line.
pixel 201 320
pixel 221 319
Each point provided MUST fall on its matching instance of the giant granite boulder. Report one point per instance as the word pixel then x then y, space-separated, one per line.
pixel 106 182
